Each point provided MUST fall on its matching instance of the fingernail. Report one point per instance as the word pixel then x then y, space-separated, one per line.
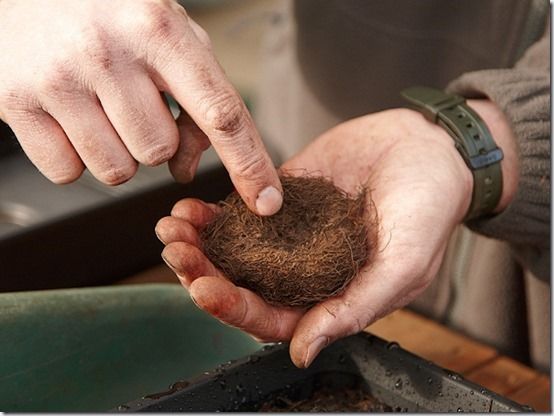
pixel 194 301
pixel 269 201
pixel 168 263
pixel 159 238
pixel 314 349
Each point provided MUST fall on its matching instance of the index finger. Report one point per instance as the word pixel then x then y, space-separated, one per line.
pixel 189 71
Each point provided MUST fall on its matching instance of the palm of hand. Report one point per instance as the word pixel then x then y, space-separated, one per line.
pixel 418 205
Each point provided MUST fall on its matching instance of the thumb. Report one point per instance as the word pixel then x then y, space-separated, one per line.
pixel 323 324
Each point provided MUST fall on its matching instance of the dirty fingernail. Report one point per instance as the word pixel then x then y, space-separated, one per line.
pixel 269 201
pixel 314 349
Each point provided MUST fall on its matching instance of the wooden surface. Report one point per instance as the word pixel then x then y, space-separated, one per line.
pixel 477 362
pixel 536 394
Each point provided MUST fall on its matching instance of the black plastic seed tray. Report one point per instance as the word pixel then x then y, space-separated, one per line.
pixel 394 376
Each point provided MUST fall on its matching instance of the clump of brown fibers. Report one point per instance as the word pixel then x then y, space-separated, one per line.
pixel 310 250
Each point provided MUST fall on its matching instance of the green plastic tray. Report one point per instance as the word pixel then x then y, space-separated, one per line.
pixel 94 348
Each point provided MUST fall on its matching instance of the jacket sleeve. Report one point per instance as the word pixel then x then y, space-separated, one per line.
pixel 523 93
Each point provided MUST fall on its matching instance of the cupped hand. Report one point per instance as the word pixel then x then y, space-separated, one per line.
pixel 421 189
pixel 81 83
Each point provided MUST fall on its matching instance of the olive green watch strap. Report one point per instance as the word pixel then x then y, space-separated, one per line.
pixel 472 139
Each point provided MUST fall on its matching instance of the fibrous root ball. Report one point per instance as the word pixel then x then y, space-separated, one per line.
pixel 310 250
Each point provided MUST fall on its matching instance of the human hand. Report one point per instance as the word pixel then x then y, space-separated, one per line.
pixel 81 83
pixel 421 188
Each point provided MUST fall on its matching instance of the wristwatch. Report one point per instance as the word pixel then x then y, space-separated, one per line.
pixel 472 139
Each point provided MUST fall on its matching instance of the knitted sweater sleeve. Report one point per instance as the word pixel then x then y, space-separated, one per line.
pixel 523 93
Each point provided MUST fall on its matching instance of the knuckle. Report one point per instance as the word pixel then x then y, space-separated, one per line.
pixel 269 329
pixel 155 143
pixel 279 330
pixel 15 99
pixel 157 155
pixel 117 175
pixel 157 20
pixel 98 49
pixel 58 78
pixel 250 167
pixel 226 114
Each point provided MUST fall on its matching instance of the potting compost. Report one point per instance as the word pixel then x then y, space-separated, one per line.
pixel 347 399
pixel 310 250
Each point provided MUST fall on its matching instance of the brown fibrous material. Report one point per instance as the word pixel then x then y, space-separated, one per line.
pixel 310 250
pixel 326 399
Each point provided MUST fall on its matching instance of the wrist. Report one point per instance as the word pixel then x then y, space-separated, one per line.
pixel 504 137
pixel 461 179
pixel 437 157
pixel 475 141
